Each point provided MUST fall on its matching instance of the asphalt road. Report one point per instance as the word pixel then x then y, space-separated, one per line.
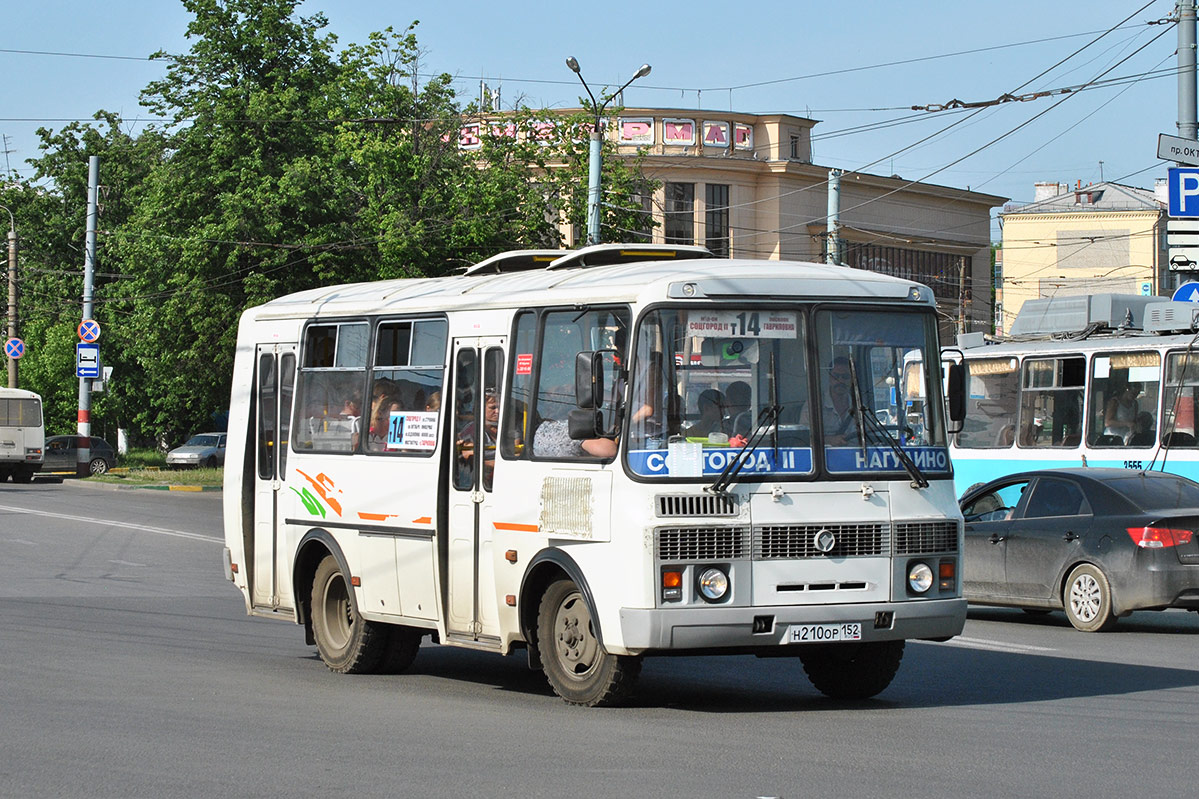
pixel 129 668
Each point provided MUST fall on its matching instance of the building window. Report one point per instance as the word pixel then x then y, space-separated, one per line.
pixel 795 155
pixel 940 271
pixel 679 214
pixel 716 219
pixel 643 228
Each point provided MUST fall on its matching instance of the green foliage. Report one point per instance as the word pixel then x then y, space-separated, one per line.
pixel 288 164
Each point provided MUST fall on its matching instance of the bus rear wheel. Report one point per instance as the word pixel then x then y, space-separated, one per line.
pixel 572 657
pixel 852 671
pixel 347 643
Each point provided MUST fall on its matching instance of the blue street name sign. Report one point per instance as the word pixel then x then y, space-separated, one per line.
pixel 1183 182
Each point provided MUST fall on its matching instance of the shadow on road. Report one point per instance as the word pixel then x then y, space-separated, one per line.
pixel 931 676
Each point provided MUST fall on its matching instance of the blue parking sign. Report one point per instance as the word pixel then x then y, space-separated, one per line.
pixel 1183 183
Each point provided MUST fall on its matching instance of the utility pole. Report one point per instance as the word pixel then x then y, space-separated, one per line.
pixel 1187 126
pixel 89 264
pixel 832 248
pixel 12 292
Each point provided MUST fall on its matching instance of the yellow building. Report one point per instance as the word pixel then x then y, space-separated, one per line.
pixel 745 186
pixel 1078 239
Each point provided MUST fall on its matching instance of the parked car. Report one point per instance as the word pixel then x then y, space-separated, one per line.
pixel 62 455
pixel 1097 543
pixel 202 449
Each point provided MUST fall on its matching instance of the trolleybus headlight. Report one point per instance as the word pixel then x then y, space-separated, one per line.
pixel 713 584
pixel 920 577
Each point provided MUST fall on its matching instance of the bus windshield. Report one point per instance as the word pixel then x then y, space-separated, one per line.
pixel 703 379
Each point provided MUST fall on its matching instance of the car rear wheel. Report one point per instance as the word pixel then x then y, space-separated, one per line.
pixel 347 643
pixel 98 466
pixel 1088 600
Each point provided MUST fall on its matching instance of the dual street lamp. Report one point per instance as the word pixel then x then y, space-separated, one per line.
pixel 595 161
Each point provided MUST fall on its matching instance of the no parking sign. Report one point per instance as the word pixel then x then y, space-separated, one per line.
pixel 14 348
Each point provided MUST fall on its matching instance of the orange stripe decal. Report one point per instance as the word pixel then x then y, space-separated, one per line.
pixel 516 528
pixel 423 520
pixel 374 517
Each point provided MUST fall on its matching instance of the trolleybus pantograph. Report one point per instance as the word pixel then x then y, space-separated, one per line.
pixel 598 456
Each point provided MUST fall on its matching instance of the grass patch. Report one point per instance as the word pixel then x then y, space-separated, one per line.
pixel 147 467
pixel 162 477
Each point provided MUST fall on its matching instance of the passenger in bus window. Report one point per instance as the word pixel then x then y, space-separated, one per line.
pixel 552 440
pixel 738 419
pixel 840 424
pixel 1143 435
pixel 468 438
pixel 1121 411
pixel 710 405
pixel 433 403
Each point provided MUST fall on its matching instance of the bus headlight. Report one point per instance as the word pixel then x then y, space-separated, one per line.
pixel 920 578
pixel 713 584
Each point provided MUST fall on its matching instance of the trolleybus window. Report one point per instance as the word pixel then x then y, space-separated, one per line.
pixel 993 396
pixel 1124 395
pixel 1182 399
pixel 1051 402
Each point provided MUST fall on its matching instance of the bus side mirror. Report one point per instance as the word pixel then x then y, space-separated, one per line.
pixel 957 393
pixel 584 423
pixel 589 380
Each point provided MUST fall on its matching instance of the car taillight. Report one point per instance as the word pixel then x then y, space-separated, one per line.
pixel 1158 537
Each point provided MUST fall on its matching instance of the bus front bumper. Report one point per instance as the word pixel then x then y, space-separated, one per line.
pixel 648 629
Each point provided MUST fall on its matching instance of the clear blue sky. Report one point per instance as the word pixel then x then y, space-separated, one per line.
pixel 762 57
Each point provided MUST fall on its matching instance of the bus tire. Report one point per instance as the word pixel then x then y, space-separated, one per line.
pixel 1088 600
pixel 347 643
pixel 20 475
pixel 572 657
pixel 852 670
pixel 402 645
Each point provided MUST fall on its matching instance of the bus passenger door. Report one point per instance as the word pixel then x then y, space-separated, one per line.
pixel 274 388
pixel 471 599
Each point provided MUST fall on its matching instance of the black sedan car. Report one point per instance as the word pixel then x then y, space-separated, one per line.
pixel 62 455
pixel 1097 543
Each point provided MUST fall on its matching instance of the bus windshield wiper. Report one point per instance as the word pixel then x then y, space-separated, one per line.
pixel 766 423
pixel 918 478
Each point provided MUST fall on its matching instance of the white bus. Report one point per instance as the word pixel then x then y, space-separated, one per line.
pixel 22 435
pixel 1107 380
pixel 597 456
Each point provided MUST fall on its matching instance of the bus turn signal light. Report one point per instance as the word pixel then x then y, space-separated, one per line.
pixel 672 586
pixel 1158 537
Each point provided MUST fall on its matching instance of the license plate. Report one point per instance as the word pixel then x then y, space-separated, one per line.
pixel 818 633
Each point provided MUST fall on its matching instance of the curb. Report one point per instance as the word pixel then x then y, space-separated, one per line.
pixel 116 487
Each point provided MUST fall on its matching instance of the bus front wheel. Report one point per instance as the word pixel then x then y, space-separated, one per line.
pixel 347 643
pixel 852 670
pixel 572 657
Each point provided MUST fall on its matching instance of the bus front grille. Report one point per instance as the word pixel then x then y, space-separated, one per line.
pixel 918 538
pixel 702 543
pixel 778 541
pixel 673 505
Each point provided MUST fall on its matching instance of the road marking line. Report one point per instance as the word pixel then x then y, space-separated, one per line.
pixel 996 646
pixel 90 520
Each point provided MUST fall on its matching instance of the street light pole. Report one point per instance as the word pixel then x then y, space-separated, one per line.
pixel 595 156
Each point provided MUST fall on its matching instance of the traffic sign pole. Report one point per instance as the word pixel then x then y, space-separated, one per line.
pixel 84 427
